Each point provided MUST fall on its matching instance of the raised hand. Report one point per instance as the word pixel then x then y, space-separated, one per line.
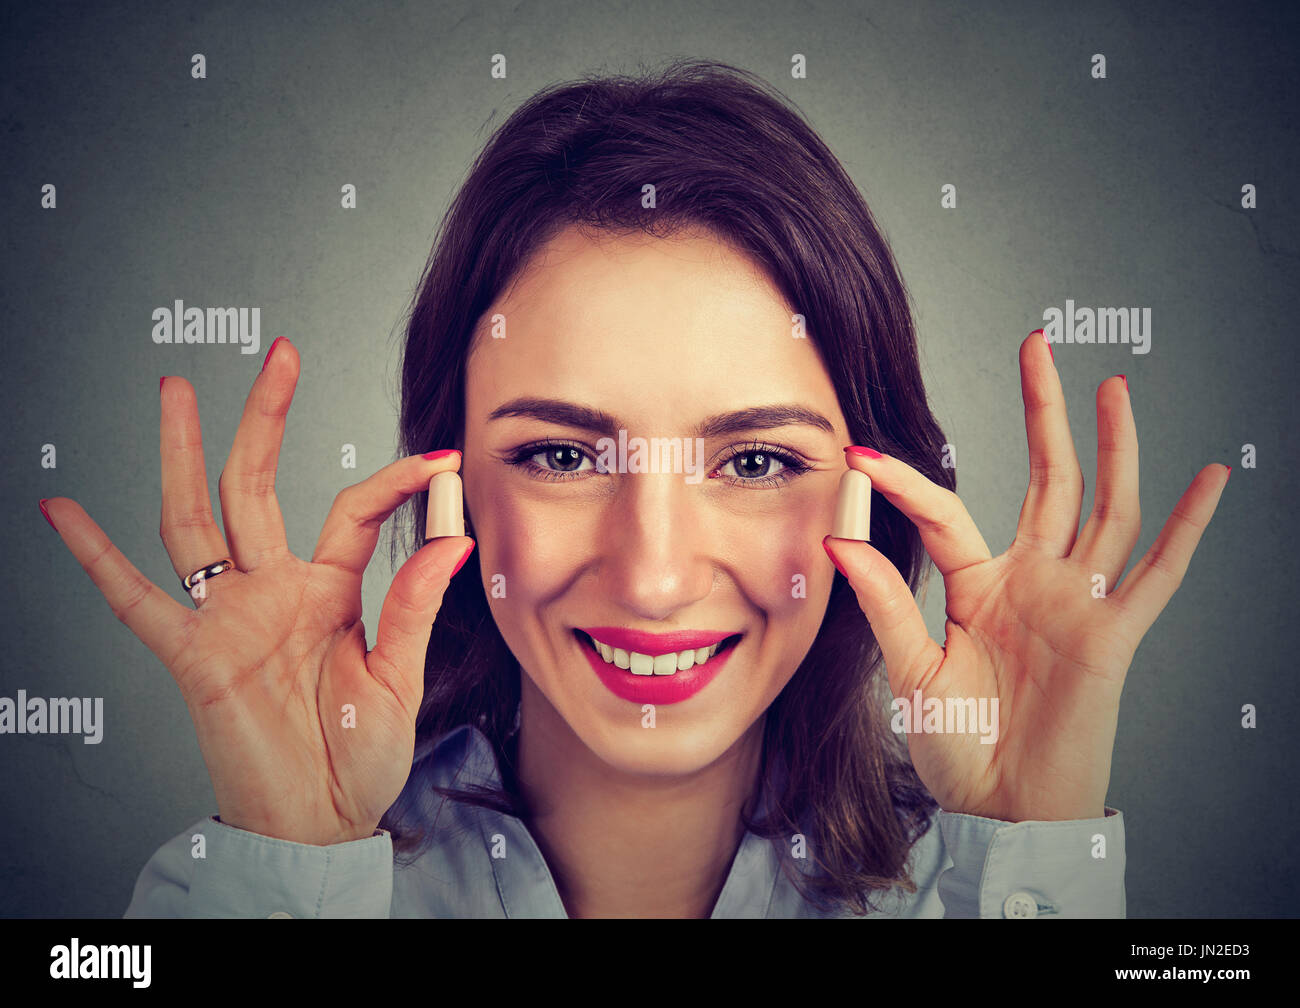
pixel 276 648
pixel 1043 627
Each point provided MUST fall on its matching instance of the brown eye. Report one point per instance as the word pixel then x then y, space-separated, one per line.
pixel 554 461
pixel 759 465
pixel 565 458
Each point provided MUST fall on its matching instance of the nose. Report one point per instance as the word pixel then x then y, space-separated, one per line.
pixel 655 558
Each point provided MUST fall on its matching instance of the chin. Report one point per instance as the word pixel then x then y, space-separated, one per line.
pixel 666 750
pixel 657 752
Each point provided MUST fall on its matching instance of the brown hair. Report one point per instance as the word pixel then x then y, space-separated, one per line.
pixel 727 152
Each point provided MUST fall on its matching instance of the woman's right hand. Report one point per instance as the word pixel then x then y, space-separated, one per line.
pixel 276 649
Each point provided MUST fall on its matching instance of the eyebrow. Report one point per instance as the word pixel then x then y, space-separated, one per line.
pixel 568 414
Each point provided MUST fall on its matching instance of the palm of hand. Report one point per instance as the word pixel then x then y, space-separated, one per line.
pixel 1041 630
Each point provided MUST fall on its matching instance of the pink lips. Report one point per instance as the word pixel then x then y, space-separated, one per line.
pixel 653 689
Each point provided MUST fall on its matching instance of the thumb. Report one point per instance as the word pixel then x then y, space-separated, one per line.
pixel 891 610
pixel 410 607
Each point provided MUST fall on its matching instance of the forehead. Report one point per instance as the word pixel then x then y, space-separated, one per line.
pixel 630 318
pixel 612 279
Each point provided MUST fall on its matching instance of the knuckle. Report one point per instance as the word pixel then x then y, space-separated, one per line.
pixel 948 512
pixel 1041 476
pixel 1112 511
pixel 1186 518
pixel 951 509
pixel 191 520
pixel 892 609
pixel 1167 568
pixel 345 501
pixel 1047 474
pixel 431 579
pixel 346 498
pixel 96 560
pixel 350 504
pixel 407 603
pixel 246 483
pixel 136 591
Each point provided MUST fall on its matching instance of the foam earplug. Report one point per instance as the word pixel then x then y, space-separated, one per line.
pixel 446 511
pixel 853 508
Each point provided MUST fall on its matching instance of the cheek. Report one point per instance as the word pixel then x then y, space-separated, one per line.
pixel 780 558
pixel 533 546
pixel 786 576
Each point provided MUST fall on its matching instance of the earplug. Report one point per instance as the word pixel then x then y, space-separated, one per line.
pixel 445 515
pixel 853 508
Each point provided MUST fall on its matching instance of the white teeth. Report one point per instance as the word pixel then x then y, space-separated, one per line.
pixel 664 664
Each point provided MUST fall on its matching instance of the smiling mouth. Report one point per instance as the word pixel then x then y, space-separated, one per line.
pixel 661 665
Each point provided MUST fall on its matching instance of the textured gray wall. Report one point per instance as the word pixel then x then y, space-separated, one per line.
pixel 1123 191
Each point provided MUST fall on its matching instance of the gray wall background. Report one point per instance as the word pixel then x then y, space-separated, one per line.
pixel 225 191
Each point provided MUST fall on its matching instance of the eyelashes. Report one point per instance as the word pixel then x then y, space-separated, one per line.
pixel 569 453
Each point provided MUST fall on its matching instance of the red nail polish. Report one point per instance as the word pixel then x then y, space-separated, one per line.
pixel 828 553
pixel 463 559
pixel 440 454
pixel 160 381
pixel 1048 342
pixel 1125 383
pixel 1228 477
pixel 859 450
pixel 47 514
pixel 267 359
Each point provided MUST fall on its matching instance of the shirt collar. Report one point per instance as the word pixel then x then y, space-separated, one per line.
pixel 524 881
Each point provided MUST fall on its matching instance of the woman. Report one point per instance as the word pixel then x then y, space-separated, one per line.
pixel 676 256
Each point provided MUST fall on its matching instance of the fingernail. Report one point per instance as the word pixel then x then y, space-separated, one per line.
pixel 1225 482
pixel 463 559
pixel 440 454
pixel 267 359
pixel 1047 341
pixel 47 514
pixel 829 554
pixel 160 381
pixel 859 450
pixel 1125 383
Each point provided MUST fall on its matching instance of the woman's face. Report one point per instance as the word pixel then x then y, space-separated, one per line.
pixel 635 339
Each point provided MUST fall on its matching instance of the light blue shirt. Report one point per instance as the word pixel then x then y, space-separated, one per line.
pixel 963 866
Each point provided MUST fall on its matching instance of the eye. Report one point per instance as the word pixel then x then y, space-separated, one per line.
pixel 553 460
pixel 757 465
pixel 753 464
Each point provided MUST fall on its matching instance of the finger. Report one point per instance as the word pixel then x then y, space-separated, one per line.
pixel 1152 583
pixel 1107 539
pixel 891 610
pixel 946 527
pixel 150 613
pixel 351 529
pixel 187 528
pixel 406 620
pixel 249 507
pixel 1049 518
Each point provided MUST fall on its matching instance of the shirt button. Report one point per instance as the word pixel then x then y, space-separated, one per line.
pixel 1020 904
pixel 279 913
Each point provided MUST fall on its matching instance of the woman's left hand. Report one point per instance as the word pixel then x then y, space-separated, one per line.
pixel 1043 627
